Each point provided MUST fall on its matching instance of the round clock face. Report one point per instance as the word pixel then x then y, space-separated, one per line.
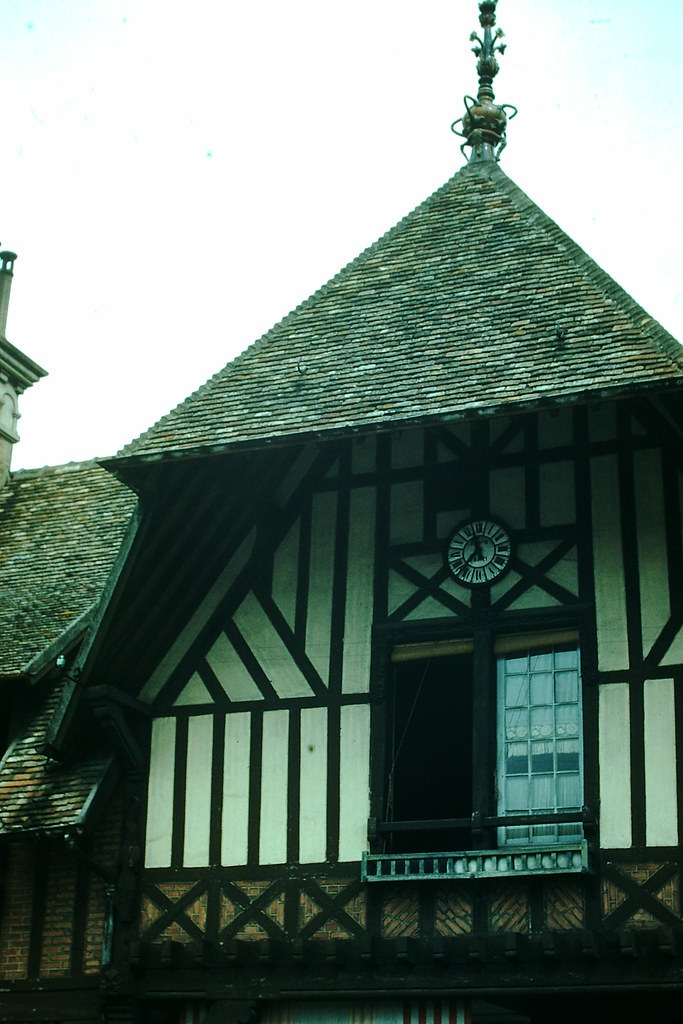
pixel 478 552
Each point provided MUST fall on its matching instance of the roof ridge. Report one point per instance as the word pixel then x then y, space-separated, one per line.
pixel 62 467
pixel 649 325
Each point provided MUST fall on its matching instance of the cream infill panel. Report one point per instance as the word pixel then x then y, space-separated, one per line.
pixel 274 778
pixel 198 791
pixel 557 500
pixel 235 819
pixel 320 580
pixel 354 781
pixel 661 798
pixel 285 574
pixel 313 786
pixel 652 557
pixel 614 753
pixel 159 836
pixel 359 592
pixel 610 600
pixel 231 672
pixel 267 647
pixel 194 692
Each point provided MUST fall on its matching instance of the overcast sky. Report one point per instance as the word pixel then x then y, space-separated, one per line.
pixel 176 177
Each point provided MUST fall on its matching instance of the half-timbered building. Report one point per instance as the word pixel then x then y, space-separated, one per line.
pixel 382 701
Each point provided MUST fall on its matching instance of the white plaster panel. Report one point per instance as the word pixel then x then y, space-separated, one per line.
pixel 610 599
pixel 235 817
pixel 507 501
pixel 194 692
pixel 274 780
pixel 198 620
pixel 674 656
pixel 406 512
pixel 359 592
pixel 285 575
pixel 614 755
pixel 198 791
pixel 159 835
pixel 313 786
pixel 661 803
pixel 557 500
pixel 652 559
pixel 267 647
pixel 231 672
pixel 320 582
pixel 354 781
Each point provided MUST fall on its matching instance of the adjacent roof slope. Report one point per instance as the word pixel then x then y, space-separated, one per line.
pixel 37 793
pixel 453 311
pixel 60 530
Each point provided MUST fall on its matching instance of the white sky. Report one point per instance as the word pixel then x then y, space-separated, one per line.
pixel 176 177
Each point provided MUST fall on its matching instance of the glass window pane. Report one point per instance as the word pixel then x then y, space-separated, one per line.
pixel 542 688
pixel 569 791
pixel 517 691
pixel 566 686
pixel 566 659
pixel 516 666
pixel 542 759
pixel 541 662
pixel 518 794
pixel 516 725
pixel 542 724
pixel 567 720
pixel 542 793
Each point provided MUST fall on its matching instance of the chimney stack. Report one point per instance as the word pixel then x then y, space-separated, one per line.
pixel 17 372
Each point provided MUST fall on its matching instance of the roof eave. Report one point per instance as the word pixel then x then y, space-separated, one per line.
pixel 127 467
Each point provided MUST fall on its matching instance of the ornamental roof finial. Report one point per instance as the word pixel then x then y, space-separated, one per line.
pixel 484 122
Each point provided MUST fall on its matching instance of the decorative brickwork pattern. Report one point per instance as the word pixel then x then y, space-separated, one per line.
pixel 400 915
pixel 564 907
pixel 509 909
pixel 17 907
pixel 614 896
pixel 453 914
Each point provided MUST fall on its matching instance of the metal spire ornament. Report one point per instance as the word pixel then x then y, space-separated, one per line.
pixel 484 122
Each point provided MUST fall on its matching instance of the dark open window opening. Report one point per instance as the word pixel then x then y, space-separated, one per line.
pixel 429 775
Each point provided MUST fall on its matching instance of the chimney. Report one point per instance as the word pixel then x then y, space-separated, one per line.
pixel 6 272
pixel 17 372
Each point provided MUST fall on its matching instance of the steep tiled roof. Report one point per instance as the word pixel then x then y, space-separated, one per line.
pixel 454 311
pixel 60 530
pixel 37 794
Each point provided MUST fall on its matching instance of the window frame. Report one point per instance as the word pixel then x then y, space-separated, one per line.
pixel 486 643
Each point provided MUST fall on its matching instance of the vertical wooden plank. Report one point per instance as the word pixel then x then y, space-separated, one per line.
pixel 159 834
pixel 321 575
pixel 360 587
pixel 313 786
pixel 557 499
pixel 407 511
pixel 274 784
pixel 661 798
pixel 610 602
pixel 354 781
pixel 235 814
pixel 614 752
pixel 652 554
pixel 198 791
